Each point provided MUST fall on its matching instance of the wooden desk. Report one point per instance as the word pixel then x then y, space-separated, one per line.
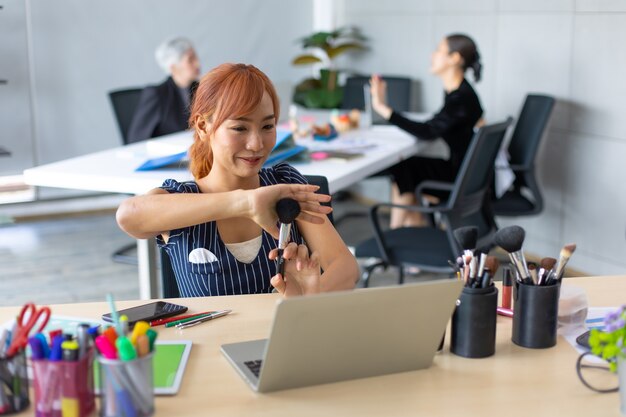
pixel 514 382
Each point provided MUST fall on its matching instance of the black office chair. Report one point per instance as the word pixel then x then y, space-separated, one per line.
pixel 398 93
pixel 430 248
pixel 124 104
pixel 525 197
pixel 168 279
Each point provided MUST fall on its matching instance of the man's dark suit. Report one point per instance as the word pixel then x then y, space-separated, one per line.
pixel 161 110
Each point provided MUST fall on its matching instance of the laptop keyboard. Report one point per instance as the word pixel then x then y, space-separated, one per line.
pixel 254 366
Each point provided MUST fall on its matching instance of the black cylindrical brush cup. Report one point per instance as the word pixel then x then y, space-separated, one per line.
pixel 474 323
pixel 535 315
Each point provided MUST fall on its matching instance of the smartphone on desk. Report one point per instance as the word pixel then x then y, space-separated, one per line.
pixel 148 312
pixel 583 339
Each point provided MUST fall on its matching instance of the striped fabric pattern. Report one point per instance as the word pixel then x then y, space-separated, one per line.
pixel 226 275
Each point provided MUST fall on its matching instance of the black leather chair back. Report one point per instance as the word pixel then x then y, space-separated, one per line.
pixel 124 104
pixel 529 129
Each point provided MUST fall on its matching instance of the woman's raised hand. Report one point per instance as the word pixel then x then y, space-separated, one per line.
pixel 378 88
pixel 302 272
pixel 262 204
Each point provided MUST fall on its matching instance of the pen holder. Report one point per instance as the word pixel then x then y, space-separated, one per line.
pixel 64 387
pixel 13 384
pixel 126 387
pixel 474 323
pixel 535 315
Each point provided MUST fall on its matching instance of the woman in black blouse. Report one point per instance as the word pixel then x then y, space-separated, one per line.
pixel 454 123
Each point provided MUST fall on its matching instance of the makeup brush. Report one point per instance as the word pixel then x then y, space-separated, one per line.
pixel 467 237
pixel 491 267
pixel 467 259
pixel 532 270
pixel 511 240
pixel 287 209
pixel 564 256
pixel 481 254
pixel 547 263
pixel 546 266
pixel 460 263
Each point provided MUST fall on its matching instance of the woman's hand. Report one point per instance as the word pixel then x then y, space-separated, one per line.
pixel 378 88
pixel 302 272
pixel 262 203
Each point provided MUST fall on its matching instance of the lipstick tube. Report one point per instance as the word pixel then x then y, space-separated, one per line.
pixel 507 287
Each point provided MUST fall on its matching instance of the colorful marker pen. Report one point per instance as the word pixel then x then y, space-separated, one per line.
pixel 82 336
pixel 105 347
pixel 44 344
pixel 125 349
pixel 152 335
pixel 141 327
pixel 124 325
pixel 143 345
pixel 54 333
pixel 36 349
pixel 70 350
pixel 56 352
pixel 111 335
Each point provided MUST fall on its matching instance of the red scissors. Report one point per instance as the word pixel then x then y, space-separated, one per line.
pixel 25 325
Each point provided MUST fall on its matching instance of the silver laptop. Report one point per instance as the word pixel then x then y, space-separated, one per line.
pixel 346 335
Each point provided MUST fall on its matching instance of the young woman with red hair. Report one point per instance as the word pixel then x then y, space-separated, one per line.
pixel 221 230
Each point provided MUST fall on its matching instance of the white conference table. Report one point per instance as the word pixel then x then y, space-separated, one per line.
pixel 113 171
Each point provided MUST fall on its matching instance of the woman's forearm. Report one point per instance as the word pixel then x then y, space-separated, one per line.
pixel 342 274
pixel 149 215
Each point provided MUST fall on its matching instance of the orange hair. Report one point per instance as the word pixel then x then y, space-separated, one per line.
pixel 228 91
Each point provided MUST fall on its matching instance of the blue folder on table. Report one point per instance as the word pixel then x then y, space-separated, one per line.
pixel 284 148
pixel 161 161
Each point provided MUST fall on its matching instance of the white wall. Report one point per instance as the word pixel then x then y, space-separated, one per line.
pixel 16 133
pixel 81 50
pixel 570 49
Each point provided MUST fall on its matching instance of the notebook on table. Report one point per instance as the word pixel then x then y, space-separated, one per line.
pixel 347 335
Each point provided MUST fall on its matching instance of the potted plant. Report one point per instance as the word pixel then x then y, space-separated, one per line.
pixel 610 345
pixel 322 48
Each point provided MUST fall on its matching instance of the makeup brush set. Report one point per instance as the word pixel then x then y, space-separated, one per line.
pixel 548 272
pixel 473 266
pixel 536 290
pixel 536 294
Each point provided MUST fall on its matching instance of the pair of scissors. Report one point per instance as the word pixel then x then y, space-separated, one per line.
pixel 26 321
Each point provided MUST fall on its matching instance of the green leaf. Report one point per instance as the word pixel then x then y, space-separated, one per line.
pixel 610 351
pixel 305 60
pixel 595 339
pixel 308 84
pixel 319 39
pixel 340 49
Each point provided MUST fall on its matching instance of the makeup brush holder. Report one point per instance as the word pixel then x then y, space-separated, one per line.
pixel 535 315
pixel 474 323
